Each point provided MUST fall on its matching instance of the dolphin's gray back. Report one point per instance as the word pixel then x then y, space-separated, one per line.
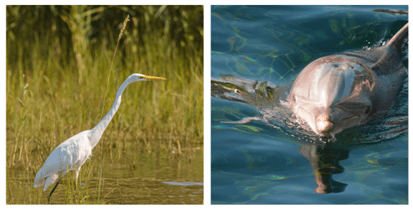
pixel 385 60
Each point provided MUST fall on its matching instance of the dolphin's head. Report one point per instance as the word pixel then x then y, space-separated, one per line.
pixel 332 94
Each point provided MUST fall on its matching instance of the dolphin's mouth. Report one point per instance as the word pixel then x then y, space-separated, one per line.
pixel 349 122
pixel 342 124
pixel 326 126
pixel 350 118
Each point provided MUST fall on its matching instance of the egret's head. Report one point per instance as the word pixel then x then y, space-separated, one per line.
pixel 332 94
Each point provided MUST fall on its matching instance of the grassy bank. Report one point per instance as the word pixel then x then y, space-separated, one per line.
pixel 62 87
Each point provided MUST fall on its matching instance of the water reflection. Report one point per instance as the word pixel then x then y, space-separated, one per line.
pixel 158 178
pixel 325 161
pixel 185 183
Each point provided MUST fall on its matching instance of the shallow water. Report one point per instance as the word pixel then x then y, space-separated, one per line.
pixel 257 163
pixel 159 178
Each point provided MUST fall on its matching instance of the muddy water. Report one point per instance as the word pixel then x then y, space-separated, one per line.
pixel 152 179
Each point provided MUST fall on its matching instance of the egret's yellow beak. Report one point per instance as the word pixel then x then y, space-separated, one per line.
pixel 153 78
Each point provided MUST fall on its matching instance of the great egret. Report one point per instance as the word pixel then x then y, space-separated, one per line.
pixel 73 153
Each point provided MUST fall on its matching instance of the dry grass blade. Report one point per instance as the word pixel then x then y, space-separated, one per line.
pixel 113 58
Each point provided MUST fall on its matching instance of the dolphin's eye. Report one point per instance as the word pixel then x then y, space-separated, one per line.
pixel 367 111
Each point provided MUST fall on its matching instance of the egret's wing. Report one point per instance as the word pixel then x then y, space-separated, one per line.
pixel 69 155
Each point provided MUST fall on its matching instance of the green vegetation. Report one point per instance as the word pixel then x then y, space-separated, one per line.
pixel 60 82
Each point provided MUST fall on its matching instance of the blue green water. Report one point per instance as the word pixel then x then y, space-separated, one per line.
pixel 254 163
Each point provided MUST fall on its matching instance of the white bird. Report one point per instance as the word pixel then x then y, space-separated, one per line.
pixel 73 153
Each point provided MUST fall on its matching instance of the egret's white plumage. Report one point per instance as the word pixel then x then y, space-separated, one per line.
pixel 73 153
pixel 69 155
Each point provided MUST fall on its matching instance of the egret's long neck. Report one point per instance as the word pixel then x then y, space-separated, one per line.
pixel 97 131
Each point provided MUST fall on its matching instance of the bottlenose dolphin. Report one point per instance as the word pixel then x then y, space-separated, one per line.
pixel 330 94
pixel 344 90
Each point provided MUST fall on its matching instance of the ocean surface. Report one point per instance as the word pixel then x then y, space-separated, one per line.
pixel 257 162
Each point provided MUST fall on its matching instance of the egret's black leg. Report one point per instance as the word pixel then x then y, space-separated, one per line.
pixel 48 197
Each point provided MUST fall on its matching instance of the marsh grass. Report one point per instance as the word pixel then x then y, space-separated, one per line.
pixel 48 102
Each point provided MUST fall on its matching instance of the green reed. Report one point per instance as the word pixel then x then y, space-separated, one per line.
pixel 59 90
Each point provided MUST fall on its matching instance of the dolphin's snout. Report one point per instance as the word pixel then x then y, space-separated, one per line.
pixel 324 125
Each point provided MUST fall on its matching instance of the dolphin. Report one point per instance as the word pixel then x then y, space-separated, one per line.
pixel 344 90
pixel 332 93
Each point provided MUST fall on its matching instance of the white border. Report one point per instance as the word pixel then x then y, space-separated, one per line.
pixel 207 91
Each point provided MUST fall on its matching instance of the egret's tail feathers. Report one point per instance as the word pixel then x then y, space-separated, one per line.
pixel 50 181
pixel 39 180
pixel 37 183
